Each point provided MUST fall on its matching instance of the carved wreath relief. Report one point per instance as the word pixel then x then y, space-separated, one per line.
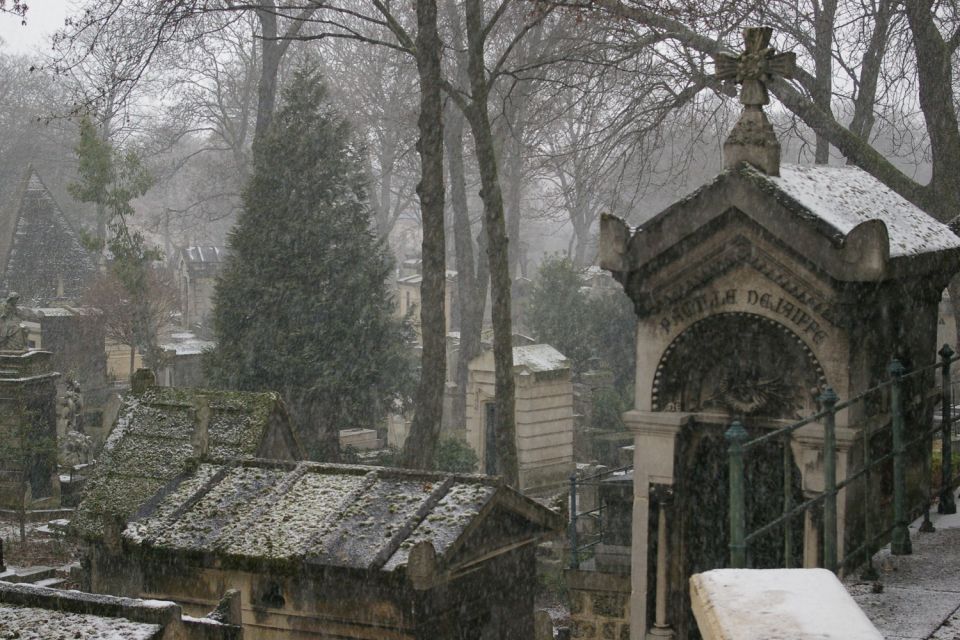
pixel 739 363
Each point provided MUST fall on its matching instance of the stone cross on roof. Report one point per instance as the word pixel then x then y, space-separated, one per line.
pixel 756 66
pixel 752 138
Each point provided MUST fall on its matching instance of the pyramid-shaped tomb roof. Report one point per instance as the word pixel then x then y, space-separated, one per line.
pixel 41 253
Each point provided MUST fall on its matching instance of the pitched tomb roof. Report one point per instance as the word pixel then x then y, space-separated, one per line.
pixel 161 433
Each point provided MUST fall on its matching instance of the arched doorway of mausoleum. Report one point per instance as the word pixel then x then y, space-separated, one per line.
pixel 726 366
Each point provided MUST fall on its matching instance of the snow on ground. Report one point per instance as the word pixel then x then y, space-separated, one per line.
pixel 918 595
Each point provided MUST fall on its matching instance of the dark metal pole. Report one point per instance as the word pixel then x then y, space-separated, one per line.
pixel 947 503
pixel 829 399
pixel 736 435
pixel 869 572
pixel 787 503
pixel 900 539
pixel 574 556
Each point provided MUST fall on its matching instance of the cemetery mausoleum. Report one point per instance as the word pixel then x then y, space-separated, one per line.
pixel 753 295
pixel 338 551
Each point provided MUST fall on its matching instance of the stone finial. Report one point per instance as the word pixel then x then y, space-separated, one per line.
pixel 228 610
pixel 752 138
pixel 201 436
pixel 141 380
pixel 13 335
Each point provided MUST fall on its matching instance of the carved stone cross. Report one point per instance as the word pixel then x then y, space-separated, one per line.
pixel 752 139
pixel 756 66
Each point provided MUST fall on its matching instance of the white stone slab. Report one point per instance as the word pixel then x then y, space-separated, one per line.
pixel 776 604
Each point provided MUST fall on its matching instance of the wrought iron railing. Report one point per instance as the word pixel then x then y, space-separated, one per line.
pixel 739 445
pixel 580 546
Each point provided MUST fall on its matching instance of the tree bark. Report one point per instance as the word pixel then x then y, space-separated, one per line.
pixel 863 116
pixel 272 49
pixel 825 12
pixel 469 301
pixel 940 198
pixel 497 247
pixel 935 84
pixel 420 447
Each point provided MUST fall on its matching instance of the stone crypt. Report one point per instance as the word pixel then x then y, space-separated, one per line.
pixel 753 295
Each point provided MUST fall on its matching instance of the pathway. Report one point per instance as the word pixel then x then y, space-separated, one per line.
pixel 920 598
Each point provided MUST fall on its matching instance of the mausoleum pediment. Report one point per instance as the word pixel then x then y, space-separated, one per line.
pixel 841 220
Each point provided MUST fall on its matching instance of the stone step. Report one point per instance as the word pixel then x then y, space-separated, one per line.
pixel 31 574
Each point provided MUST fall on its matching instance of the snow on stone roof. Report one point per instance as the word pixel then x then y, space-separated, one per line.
pixel 203 254
pixel 31 623
pixel 29 612
pixel 845 196
pixel 152 443
pixel 186 343
pixel 417 278
pixel 323 514
pixel 539 358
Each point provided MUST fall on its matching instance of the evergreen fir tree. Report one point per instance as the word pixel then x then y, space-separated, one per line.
pixel 302 305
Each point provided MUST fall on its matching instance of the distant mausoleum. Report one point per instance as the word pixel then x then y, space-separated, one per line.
pixel 544 415
pixel 28 431
pixel 41 255
pixel 197 271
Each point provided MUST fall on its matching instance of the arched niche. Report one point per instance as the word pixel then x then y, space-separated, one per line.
pixel 740 363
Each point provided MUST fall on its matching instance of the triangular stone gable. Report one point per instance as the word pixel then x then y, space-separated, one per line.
pixel 42 256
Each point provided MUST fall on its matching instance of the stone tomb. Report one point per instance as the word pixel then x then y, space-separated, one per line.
pixel 162 431
pixel 754 294
pixel 28 431
pixel 544 415
pixel 338 551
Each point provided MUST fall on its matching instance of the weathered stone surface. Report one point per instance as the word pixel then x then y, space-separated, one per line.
pixel 609 605
pixel 41 254
pixel 583 629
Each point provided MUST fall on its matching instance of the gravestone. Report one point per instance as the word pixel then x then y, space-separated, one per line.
pixel 28 419
pixel 753 295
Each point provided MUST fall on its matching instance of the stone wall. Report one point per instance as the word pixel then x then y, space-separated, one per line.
pixel 599 605
pixel 40 606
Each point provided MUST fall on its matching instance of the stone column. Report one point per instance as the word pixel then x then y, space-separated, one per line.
pixel 661 627
pixel 654 439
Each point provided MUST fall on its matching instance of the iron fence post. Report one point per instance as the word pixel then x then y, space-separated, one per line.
pixel 829 400
pixel 572 533
pixel 736 435
pixel 869 572
pixel 900 539
pixel 947 504
pixel 787 503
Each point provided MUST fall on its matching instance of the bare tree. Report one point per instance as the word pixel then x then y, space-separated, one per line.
pixel 109 295
pixel 918 67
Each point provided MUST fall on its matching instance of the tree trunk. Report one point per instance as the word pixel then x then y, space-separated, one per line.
pixel 420 447
pixel 271 54
pixel 863 115
pixel 935 83
pixel 133 358
pixel 468 298
pixel 497 247
pixel 825 12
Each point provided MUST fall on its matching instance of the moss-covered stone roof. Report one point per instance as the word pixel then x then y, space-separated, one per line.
pixel 332 515
pixel 153 442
